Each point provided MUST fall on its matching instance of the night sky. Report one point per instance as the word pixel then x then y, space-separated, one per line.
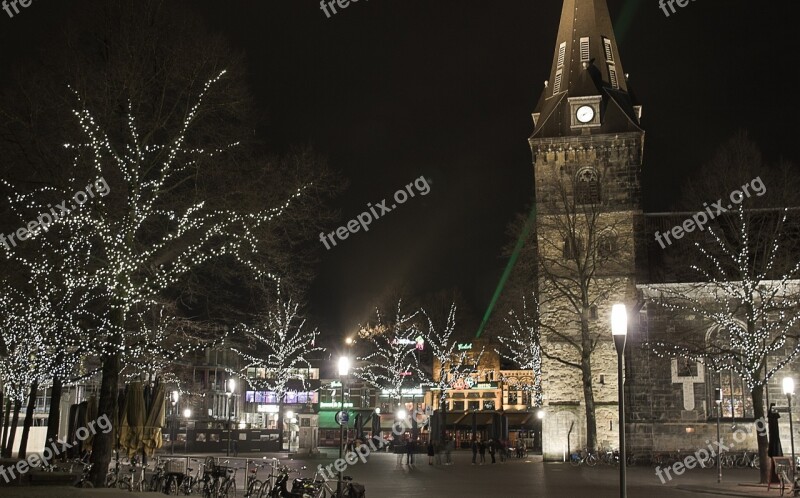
pixel 390 90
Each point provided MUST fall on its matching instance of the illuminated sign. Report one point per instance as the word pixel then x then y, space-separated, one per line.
pixel 464 346
pixel 333 404
pixel 418 342
pixel 267 408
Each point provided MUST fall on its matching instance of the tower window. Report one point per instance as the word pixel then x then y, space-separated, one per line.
pixel 562 52
pixel 585 49
pixel 608 49
pixel 572 247
pixel 587 187
pixel 557 84
pixel 612 75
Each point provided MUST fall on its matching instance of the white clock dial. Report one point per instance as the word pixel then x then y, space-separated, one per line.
pixel 585 113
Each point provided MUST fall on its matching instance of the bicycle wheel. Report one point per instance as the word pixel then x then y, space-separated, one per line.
pixel 591 460
pixel 756 462
pixel 574 459
pixel 264 490
pixel 228 489
pixel 87 484
pixel 171 487
pixel 252 489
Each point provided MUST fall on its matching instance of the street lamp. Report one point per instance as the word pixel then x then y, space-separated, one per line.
pixel 176 395
pixel 187 414
pixel 718 401
pixel 230 388
pixel 619 329
pixel 344 369
pixel 788 390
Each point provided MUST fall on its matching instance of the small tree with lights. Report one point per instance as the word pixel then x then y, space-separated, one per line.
pixel 278 351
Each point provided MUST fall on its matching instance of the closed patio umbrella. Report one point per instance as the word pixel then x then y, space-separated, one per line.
pixel 152 437
pixel 90 417
pixel 132 430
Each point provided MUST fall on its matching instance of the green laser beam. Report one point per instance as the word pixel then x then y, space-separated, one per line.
pixel 507 272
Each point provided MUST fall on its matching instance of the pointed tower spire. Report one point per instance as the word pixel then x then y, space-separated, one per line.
pixel 586 75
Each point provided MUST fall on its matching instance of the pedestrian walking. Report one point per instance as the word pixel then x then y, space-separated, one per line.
pixel 501 448
pixel 474 451
pixel 448 447
pixel 492 449
pixel 431 452
pixel 410 447
pixel 482 451
pixel 235 448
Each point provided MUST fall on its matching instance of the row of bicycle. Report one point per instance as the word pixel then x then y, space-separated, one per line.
pixel 214 479
pixel 664 459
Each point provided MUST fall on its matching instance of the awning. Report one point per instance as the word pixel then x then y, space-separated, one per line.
pixel 519 419
pixel 327 420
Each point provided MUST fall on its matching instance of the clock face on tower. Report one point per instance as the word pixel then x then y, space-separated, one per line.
pixel 585 113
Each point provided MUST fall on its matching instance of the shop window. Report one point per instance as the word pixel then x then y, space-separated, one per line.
pixel 458 406
pixel 512 398
pixel 474 405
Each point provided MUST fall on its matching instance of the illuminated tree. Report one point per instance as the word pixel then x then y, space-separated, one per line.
pixel 747 288
pixel 278 352
pixel 391 362
pixel 449 362
pixel 522 347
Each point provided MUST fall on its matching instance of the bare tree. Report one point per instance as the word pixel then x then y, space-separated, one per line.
pixel 585 258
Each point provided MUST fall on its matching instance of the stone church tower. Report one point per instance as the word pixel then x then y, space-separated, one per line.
pixel 587 148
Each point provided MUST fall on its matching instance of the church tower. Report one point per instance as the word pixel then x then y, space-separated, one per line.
pixel 587 147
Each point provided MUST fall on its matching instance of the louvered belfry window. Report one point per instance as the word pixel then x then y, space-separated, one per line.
pixel 585 49
pixel 612 75
pixel 562 53
pixel 608 49
pixel 557 84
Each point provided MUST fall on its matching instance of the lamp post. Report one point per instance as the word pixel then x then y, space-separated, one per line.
pixel 788 390
pixel 289 418
pixel 718 402
pixel 175 397
pixel 619 329
pixel 187 414
pixel 344 369
pixel 229 389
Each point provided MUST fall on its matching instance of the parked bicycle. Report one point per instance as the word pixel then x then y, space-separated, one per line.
pixel 581 457
pixel 191 483
pixel 85 481
pixel 748 459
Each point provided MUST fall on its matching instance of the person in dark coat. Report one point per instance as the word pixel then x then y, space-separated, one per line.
pixel 474 451
pixel 482 451
pixel 492 450
pixel 410 448
pixel 431 452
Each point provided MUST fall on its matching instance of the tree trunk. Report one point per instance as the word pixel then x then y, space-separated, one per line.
pixel 103 444
pixel 26 426
pixel 54 416
pixel 12 431
pixel 4 424
pixel 588 391
pixel 280 425
pixel 757 395
pixel 443 411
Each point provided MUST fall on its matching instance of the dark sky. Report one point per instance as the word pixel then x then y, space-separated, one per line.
pixel 393 89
